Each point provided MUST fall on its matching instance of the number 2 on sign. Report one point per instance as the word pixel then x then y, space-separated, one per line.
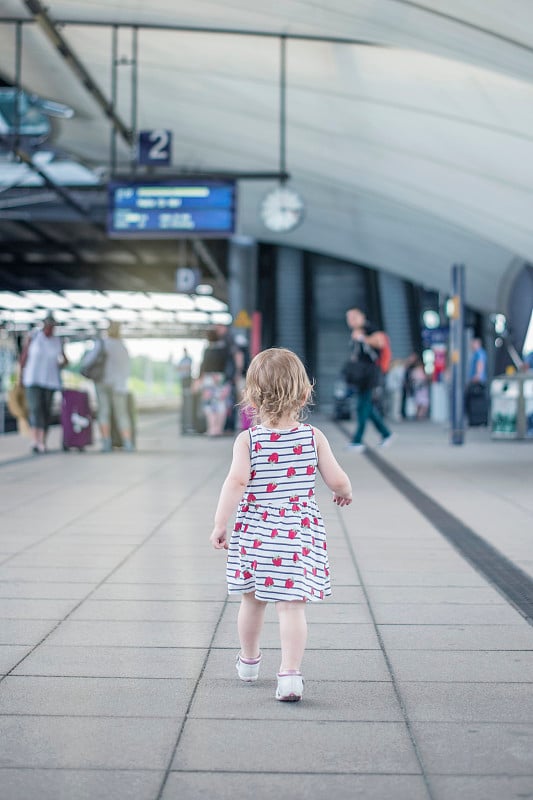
pixel 159 149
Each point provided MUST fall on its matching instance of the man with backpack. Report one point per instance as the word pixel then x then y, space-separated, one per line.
pixel 370 356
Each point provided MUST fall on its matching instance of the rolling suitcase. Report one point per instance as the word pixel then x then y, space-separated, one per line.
pixel 198 416
pixel 187 412
pixel 76 420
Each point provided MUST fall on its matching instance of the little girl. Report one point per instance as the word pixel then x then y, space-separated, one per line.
pixel 277 550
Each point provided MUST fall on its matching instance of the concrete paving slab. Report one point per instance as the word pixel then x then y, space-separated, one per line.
pixel 95 697
pixel 45 590
pixel 295 746
pixel 136 634
pixel 268 786
pixel 480 787
pixel 444 614
pixel 10 655
pixel 475 748
pixel 457 637
pixel 90 784
pixel 148 611
pixel 103 562
pixel 476 666
pixel 87 742
pixel 139 574
pixel 411 576
pixel 20 608
pixel 10 572
pixel 324 700
pixel 468 702
pixel 323 635
pixel 25 631
pixel 318 664
pixel 194 592
pixel 113 662
pixel 445 595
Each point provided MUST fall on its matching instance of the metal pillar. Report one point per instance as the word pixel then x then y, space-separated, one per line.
pixel 457 353
pixel 290 304
pixel 114 79
pixel 283 106
pixel 134 94
pixel 242 276
pixel 18 76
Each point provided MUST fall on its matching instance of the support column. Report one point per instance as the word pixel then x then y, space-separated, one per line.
pixel 242 276
pixel 290 303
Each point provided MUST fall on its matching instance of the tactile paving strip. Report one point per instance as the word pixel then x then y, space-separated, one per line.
pixel 512 582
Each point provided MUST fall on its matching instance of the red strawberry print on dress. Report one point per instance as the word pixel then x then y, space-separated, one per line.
pixel 277 544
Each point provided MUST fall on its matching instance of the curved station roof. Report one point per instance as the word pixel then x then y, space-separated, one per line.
pixel 408 126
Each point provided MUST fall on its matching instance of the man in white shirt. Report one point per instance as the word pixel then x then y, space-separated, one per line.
pixel 41 360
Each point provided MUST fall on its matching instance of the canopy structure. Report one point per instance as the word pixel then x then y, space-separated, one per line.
pixel 408 125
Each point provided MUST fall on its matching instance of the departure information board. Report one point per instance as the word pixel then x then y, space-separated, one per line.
pixel 171 208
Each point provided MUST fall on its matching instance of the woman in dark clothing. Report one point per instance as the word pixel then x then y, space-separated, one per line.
pixel 214 386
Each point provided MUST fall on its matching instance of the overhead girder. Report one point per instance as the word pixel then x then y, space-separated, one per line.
pixel 52 32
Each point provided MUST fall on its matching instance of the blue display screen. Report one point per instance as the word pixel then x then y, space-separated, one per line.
pixel 177 208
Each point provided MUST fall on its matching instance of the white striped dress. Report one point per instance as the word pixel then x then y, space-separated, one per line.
pixel 278 545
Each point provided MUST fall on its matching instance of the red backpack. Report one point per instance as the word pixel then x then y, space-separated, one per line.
pixel 385 355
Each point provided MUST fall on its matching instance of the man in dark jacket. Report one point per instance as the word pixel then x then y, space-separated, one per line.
pixel 365 349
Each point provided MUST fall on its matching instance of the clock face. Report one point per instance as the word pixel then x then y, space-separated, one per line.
pixel 282 209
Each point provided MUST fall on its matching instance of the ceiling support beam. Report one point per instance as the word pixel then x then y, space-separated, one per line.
pixel 63 193
pixel 50 29
pixel 204 254
pixel 272 34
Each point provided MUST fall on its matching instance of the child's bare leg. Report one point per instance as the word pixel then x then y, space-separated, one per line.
pixel 292 632
pixel 250 624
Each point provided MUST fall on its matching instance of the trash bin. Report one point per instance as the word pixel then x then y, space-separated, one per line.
pixel 528 405
pixel 512 407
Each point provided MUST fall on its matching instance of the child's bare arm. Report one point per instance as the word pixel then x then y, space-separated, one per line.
pixel 232 490
pixel 334 476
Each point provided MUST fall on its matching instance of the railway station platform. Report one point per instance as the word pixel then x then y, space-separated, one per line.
pixel 118 641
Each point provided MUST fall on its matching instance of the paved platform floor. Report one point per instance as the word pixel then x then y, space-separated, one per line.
pixel 117 639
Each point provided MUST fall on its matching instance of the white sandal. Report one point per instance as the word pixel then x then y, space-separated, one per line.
pixel 248 668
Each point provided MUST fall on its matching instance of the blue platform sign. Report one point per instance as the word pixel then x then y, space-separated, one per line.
pixel 171 208
pixel 155 147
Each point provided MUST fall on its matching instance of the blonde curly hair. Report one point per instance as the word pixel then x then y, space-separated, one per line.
pixel 276 385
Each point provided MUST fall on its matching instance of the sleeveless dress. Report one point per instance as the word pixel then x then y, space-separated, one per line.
pixel 278 545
